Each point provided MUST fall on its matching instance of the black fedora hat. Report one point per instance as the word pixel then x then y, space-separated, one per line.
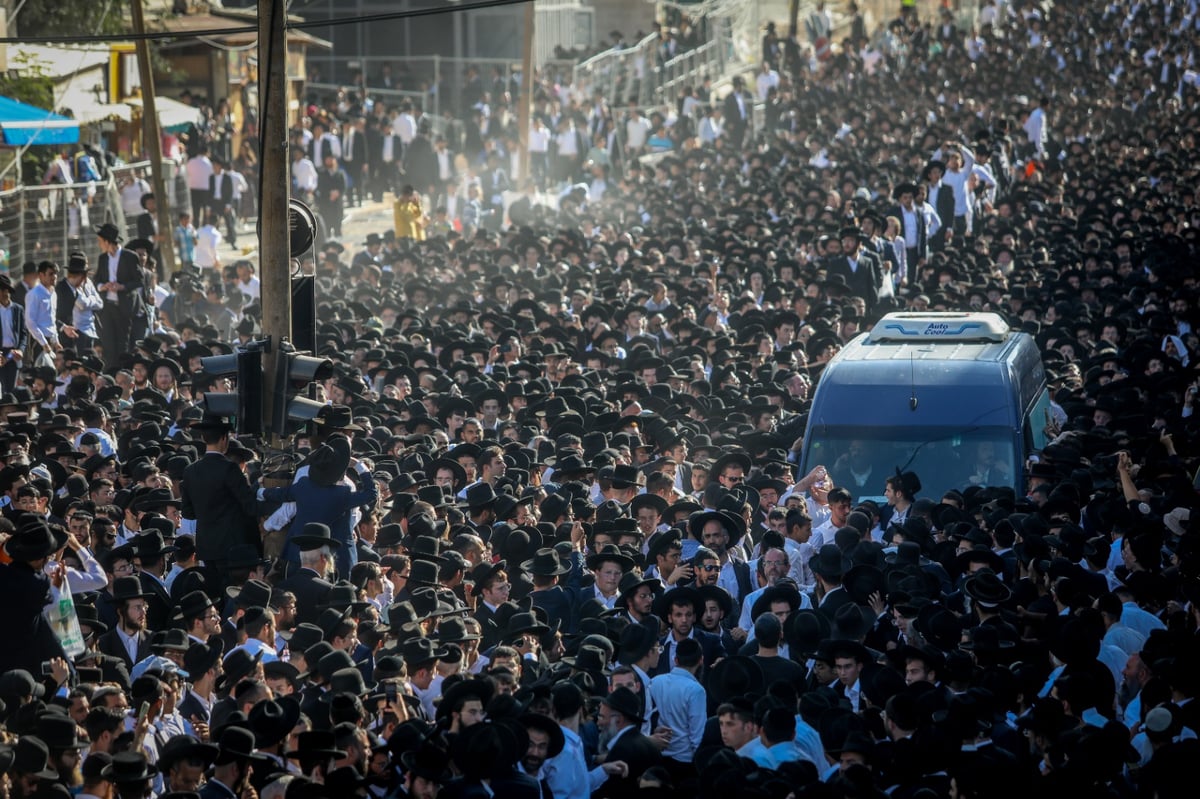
pixel 942 629
pixel 469 688
pixel 829 562
pixel 273 720
pixel 126 588
pixel 546 562
pixel 31 541
pixel 631 581
pixel 481 495
pixel 589 659
pixel 627 703
pixel 853 621
pixel 454 631
pixel 251 594
pixel 346 681
pixel 235 743
pixel 343 597
pixel 192 604
pixel 128 767
pixel 627 476
pixel 426 547
pixel 315 744
pixel 804 630
pixel 733 676
pixel 863 580
pixel 315 535
pixel 679 595
pixel 237 665
pixel 90 618
pixel 109 232
pixel 719 595
pixel 428 762
pixel 185 747
pixel 201 657
pixel 523 622
pixel 172 640
pixel 735 528
pixel 330 619
pixel 908 553
pixel 547 725
pixel 328 463
pixel 987 589
pixel 637 640
pixel 416 651
pixel 610 553
pixel 59 733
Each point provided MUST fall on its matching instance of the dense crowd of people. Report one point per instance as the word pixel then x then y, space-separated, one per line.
pixel 549 534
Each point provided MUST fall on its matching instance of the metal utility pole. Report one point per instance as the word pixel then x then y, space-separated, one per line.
pixel 526 107
pixel 274 240
pixel 152 142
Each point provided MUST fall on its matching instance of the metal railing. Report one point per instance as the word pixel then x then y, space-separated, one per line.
pixel 444 78
pixel 46 223
pixel 642 74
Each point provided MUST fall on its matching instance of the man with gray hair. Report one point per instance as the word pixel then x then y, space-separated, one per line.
pixel 308 583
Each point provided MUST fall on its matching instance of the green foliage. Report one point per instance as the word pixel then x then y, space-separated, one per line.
pixel 32 85
pixel 69 18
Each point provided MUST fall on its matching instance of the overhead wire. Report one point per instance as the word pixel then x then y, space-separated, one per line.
pixel 364 19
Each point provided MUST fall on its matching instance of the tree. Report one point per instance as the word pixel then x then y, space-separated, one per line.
pixel 67 18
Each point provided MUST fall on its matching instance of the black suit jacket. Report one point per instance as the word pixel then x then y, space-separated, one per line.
pixel 833 601
pixel 359 149
pixel 329 182
pixel 863 282
pixel 943 204
pixel 27 636
pixel 226 188
pixel 420 163
pixel 310 590
pixel 111 645
pixel 158 613
pixel 129 275
pixel 639 753
pixel 710 645
pixel 190 706
pixel 217 495
pixel 145 226
pixel 19 331
pixel 66 303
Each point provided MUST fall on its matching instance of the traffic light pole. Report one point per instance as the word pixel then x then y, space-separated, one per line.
pixel 274 243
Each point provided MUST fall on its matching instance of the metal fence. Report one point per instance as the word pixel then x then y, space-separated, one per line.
pixel 443 78
pixel 644 74
pixel 46 223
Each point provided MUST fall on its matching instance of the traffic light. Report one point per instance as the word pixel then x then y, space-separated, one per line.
pixel 296 371
pixel 246 403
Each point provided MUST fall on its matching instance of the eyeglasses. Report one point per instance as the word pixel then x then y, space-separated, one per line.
pixel 710 567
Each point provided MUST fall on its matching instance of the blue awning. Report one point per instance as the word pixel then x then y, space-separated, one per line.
pixel 23 124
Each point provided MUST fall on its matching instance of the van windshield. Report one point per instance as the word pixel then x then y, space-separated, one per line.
pixel 861 458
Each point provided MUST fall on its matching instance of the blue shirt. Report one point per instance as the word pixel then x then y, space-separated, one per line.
pixel 41 305
pixel 1139 620
pixel 568 775
pixel 808 742
pixel 681 703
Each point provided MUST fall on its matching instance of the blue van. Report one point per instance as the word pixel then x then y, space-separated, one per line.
pixel 958 398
